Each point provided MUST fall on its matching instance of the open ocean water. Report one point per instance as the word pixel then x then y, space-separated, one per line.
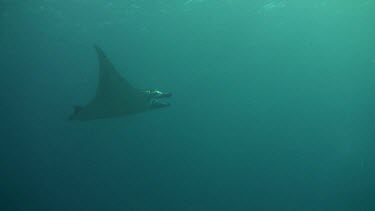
pixel 273 105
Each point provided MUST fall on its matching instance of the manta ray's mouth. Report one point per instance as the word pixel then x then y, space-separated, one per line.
pixel 156 95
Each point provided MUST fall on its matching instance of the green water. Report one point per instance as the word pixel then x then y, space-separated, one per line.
pixel 273 106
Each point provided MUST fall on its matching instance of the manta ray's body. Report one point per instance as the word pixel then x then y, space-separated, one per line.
pixel 115 96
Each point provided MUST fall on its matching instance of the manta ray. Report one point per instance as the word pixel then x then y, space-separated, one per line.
pixel 116 97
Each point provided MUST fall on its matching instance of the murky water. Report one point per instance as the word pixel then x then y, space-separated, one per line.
pixel 272 108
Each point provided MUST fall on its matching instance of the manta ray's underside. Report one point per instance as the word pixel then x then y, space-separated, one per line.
pixel 115 96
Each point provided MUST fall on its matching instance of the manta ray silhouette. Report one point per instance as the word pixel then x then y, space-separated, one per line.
pixel 116 97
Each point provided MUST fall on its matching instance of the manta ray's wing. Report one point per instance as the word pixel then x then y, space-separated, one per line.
pixel 111 84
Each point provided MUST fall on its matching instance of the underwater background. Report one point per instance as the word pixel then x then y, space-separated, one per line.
pixel 273 106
